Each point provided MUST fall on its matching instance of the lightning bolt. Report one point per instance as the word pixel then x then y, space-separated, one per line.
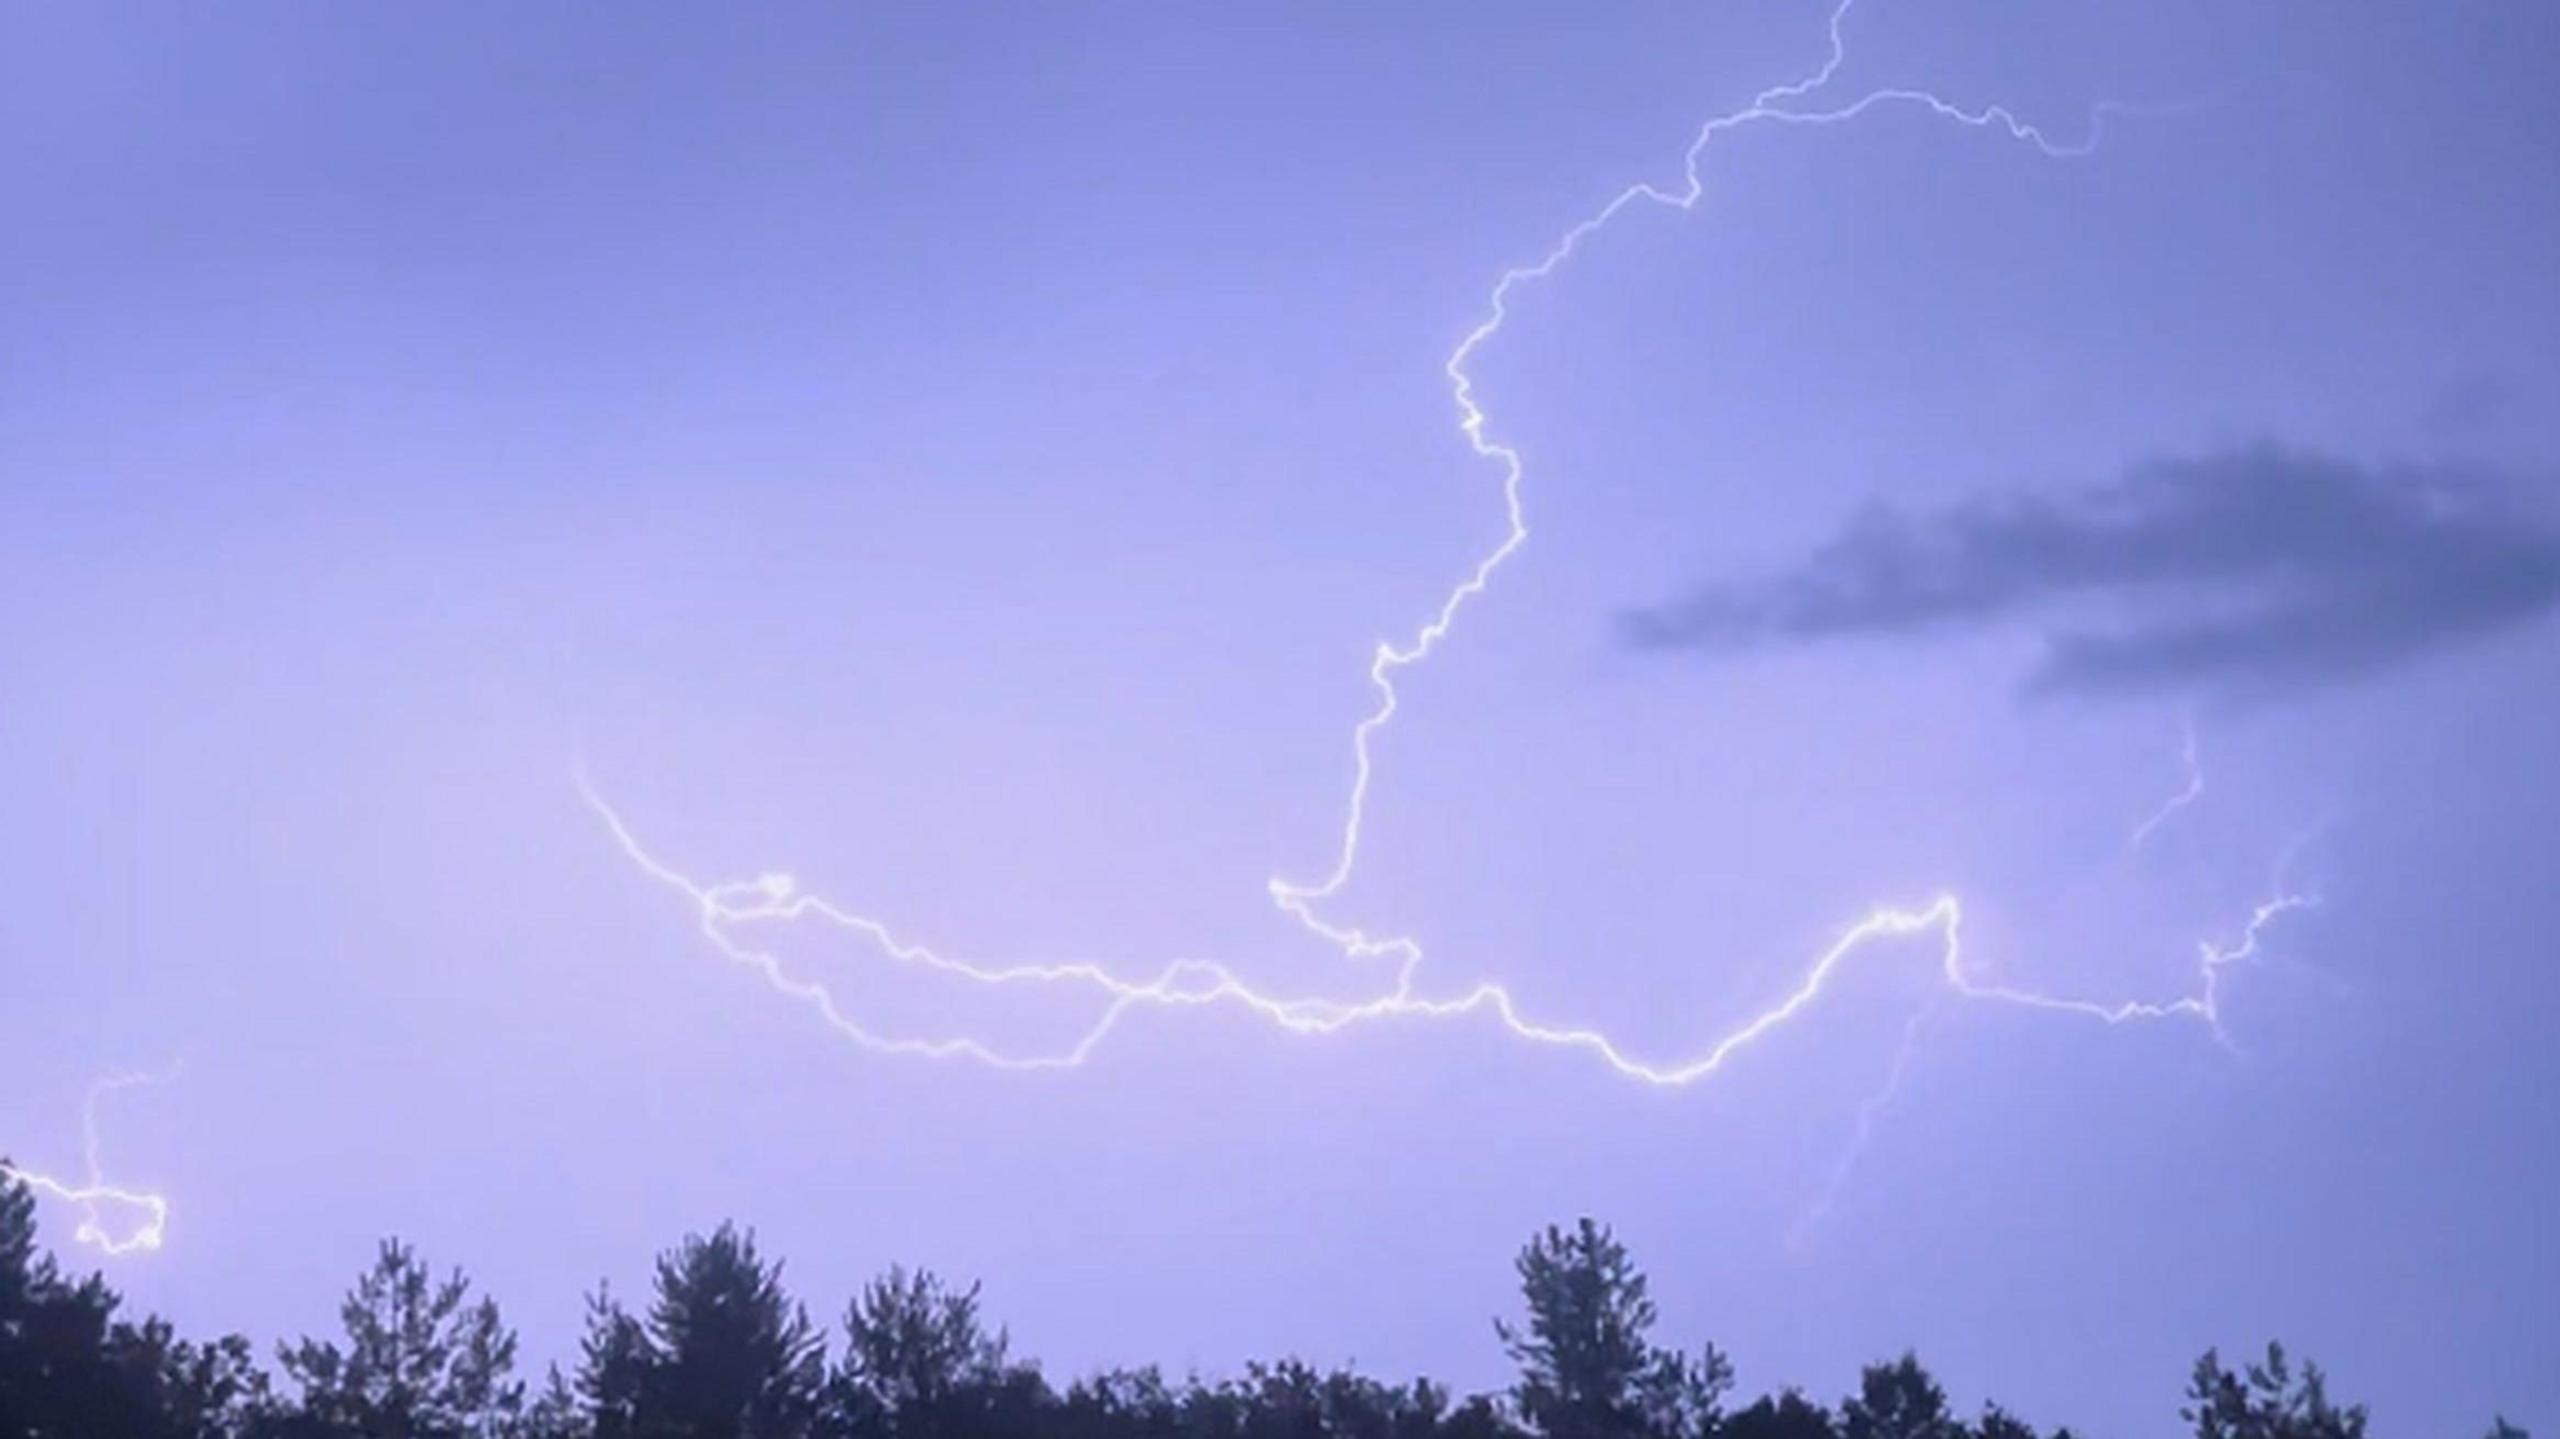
pixel 1770 107
pixel 148 1213
pixel 2205 1005
pixel 727 912
pixel 775 899
pixel 1869 1110
pixel 2188 792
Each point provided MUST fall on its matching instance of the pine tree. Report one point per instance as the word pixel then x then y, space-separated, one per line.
pixel 1587 1368
pixel 723 1354
pixel 422 1359
pixel 1898 1401
pixel 2266 1400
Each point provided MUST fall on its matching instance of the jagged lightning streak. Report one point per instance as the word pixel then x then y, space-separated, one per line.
pixel 2204 1005
pixel 149 1212
pixel 1869 1110
pixel 721 909
pixel 2188 792
pixel 724 910
pixel 1768 107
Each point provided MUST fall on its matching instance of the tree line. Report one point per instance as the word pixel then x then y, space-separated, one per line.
pixel 720 1350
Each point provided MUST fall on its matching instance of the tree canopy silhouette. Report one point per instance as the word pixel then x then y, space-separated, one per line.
pixel 69 1366
pixel 1587 1367
pixel 1898 1401
pixel 723 1351
pixel 421 1359
pixel 2267 1400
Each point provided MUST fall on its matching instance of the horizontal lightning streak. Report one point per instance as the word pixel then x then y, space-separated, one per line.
pixel 721 909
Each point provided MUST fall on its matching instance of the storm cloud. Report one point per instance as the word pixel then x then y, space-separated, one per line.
pixel 2255 568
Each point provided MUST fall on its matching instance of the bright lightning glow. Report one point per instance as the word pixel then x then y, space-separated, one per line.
pixel 1767 107
pixel 146 1215
pixel 725 911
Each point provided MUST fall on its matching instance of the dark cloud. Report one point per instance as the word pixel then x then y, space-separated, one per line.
pixel 2259 567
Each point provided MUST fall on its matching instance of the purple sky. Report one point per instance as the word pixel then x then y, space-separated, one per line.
pixel 966 459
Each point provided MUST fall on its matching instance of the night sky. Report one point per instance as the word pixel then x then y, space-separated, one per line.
pixel 966 460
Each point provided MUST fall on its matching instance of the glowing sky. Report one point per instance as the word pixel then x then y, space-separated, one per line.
pixel 967 462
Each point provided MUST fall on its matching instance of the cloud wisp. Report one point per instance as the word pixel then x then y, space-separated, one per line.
pixel 2254 569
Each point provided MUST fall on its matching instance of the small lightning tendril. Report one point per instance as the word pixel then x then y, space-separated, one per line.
pixel 725 912
pixel 147 1214
pixel 2191 790
pixel 1869 1110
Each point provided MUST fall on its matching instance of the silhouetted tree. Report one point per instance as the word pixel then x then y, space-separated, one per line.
pixel 1120 1404
pixel 1587 1370
pixel 724 1353
pixel 54 1364
pixel 920 1365
pixel 1477 1417
pixel 53 1333
pixel 422 1359
pixel 1292 1400
pixel 2266 1401
pixel 1898 1401
pixel 1787 1416
pixel 1999 1423
pixel 69 1367
pixel 193 1391
pixel 614 1369
pixel 554 1413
